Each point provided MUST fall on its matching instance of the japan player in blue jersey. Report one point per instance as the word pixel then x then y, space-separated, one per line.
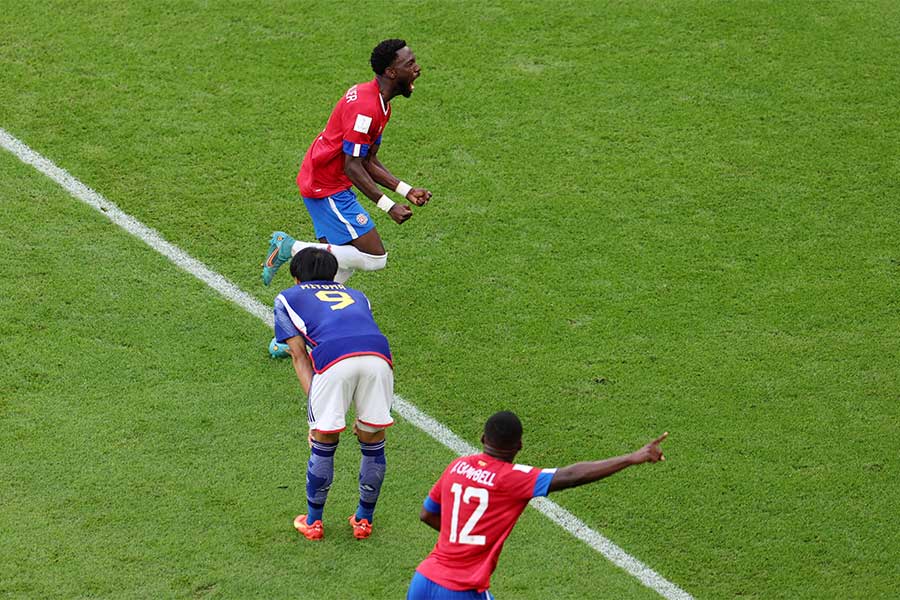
pixel 341 359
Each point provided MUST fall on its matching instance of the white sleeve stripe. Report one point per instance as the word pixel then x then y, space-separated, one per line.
pixel 356 149
pixel 337 213
pixel 299 323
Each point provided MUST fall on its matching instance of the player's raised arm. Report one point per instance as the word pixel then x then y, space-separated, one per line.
pixel 587 472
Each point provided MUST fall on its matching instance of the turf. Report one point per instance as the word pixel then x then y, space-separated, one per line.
pixel 140 460
pixel 647 217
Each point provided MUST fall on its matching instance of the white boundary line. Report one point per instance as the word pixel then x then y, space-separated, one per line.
pixel 408 411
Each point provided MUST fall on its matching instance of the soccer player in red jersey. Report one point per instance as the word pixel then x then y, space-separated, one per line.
pixel 478 499
pixel 344 155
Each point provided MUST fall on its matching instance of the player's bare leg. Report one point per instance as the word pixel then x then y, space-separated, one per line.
pixel 365 253
pixel 370 243
pixel 369 437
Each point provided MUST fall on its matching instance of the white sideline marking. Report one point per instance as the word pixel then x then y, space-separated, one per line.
pixel 146 234
pixel 552 510
pixel 408 411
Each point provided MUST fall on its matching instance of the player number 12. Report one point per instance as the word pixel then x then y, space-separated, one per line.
pixel 464 537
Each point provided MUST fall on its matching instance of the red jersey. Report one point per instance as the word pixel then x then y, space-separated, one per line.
pixel 354 126
pixel 479 499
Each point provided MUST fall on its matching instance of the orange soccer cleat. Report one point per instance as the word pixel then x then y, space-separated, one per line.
pixel 361 529
pixel 311 531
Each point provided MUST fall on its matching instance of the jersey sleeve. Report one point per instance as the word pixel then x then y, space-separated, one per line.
pixel 433 501
pixel 431 506
pixel 358 127
pixel 284 327
pixel 542 483
pixel 524 482
pixel 435 493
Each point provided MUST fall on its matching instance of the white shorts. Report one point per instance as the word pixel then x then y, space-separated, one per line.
pixel 365 381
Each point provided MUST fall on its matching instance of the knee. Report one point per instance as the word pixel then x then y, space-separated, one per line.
pixel 367 434
pixel 328 438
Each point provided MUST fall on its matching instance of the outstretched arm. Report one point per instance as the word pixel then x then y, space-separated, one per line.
pixel 587 472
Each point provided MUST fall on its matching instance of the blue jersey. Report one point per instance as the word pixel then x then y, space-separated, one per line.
pixel 336 322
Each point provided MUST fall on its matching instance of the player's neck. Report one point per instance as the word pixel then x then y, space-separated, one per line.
pixel 504 455
pixel 385 88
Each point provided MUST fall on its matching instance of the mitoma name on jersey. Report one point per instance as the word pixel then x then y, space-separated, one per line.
pixel 482 476
pixel 322 286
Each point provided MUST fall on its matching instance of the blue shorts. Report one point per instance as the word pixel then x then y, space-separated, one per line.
pixel 339 218
pixel 422 588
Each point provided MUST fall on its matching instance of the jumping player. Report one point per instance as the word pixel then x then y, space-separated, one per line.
pixel 345 154
pixel 477 501
pixel 350 363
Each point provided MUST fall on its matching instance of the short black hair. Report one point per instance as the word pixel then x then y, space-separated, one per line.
pixel 314 264
pixel 384 54
pixel 503 430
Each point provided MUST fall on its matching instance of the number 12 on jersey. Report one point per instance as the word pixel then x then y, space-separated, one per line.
pixel 461 494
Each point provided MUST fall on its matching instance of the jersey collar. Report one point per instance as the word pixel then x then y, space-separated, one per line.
pixel 384 105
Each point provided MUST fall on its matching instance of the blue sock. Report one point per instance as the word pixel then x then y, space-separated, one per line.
pixel 371 476
pixel 319 475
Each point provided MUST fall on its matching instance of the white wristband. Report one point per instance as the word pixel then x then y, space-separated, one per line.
pixel 403 188
pixel 385 203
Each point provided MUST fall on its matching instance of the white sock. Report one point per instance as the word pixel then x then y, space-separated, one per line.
pixel 349 258
pixel 343 275
pixel 298 246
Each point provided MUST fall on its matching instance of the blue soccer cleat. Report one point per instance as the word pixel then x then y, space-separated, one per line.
pixel 279 253
pixel 277 350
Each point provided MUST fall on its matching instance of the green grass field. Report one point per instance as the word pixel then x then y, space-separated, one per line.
pixel 650 216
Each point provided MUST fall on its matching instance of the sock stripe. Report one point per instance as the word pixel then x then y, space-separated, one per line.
pixel 324 449
pixel 372 449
